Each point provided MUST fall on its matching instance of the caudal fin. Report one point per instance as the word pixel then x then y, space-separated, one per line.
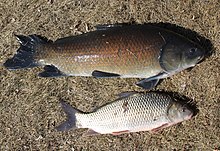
pixel 25 56
pixel 71 118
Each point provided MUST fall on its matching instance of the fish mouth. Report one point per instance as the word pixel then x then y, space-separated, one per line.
pixel 201 55
pixel 189 116
pixel 200 58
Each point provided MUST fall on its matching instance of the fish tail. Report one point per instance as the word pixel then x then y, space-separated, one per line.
pixel 70 123
pixel 26 54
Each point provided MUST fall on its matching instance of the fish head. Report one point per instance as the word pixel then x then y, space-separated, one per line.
pixel 178 112
pixel 192 55
pixel 179 54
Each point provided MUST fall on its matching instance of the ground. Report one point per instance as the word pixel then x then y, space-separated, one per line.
pixel 29 105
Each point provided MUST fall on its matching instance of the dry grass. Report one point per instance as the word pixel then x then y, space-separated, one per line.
pixel 29 107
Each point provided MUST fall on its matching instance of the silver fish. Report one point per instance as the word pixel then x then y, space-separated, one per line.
pixel 132 112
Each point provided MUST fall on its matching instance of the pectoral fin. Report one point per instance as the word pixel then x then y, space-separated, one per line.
pixel 151 82
pixel 147 84
pixel 101 74
pixel 51 71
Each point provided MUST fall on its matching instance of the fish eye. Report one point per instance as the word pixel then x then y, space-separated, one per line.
pixel 183 108
pixel 192 51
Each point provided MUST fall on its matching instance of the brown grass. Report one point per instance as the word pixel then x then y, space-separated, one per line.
pixel 29 107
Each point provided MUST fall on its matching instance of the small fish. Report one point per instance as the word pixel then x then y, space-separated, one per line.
pixel 132 112
pixel 127 51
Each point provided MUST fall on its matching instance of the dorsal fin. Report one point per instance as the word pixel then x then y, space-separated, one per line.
pixel 108 26
pixel 126 94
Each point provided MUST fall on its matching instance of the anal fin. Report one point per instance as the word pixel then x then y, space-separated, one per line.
pixel 51 71
pixel 101 74
pixel 90 132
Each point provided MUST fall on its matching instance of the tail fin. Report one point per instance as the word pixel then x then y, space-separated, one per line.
pixel 71 118
pixel 25 56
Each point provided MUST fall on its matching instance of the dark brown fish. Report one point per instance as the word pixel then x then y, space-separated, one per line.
pixel 138 51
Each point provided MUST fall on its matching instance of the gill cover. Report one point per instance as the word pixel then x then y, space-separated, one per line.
pixel 179 53
pixel 170 58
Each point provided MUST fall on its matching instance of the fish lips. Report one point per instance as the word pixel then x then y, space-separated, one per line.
pixel 189 116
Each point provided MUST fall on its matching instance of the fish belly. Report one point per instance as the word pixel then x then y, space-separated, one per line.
pixel 118 124
pixel 132 127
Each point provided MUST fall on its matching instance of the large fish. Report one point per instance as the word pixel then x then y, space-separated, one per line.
pixel 132 112
pixel 131 51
